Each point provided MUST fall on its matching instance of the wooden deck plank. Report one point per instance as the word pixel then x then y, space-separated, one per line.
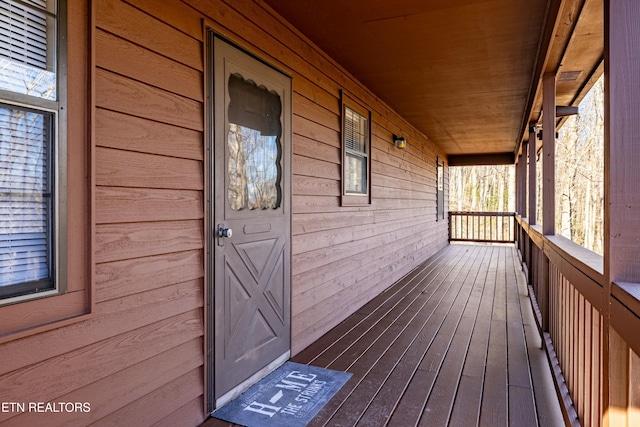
pixel 494 408
pixel 522 410
pixel 452 343
pixel 328 351
pixel 466 409
pixel 385 323
pixel 392 390
pixel 494 399
pixel 365 364
pixel 518 363
pixel 439 336
pixel 441 402
pixel 400 348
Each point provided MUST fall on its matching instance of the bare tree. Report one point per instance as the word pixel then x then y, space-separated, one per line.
pixel 482 188
pixel 580 172
pixel 579 178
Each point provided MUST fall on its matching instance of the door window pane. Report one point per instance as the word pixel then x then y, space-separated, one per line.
pixel 254 146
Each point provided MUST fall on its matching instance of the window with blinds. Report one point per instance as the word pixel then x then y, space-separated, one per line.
pixel 440 189
pixel 28 121
pixel 356 152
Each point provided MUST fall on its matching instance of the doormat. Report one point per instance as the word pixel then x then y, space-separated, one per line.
pixel 290 396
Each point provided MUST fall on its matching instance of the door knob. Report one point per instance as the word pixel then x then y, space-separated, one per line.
pixel 225 232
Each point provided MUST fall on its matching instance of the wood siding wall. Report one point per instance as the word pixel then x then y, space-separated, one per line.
pixel 140 359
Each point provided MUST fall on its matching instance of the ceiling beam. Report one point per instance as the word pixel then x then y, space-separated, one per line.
pixel 563 111
pixel 507 158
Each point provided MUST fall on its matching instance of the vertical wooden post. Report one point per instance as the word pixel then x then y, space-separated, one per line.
pixel 531 213
pixel 522 199
pixel 621 177
pixel 517 181
pixel 622 140
pixel 549 152
pixel 522 179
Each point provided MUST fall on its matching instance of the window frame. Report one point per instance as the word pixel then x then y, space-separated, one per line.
pixel 355 199
pixel 72 298
pixel 440 211
pixel 56 55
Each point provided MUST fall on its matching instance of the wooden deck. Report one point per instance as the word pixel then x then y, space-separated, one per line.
pixel 452 343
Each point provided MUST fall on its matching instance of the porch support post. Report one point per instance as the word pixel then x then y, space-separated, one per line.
pixel 531 213
pixel 622 141
pixel 548 188
pixel 522 181
pixel 549 154
pixel 622 201
pixel 521 189
pixel 518 166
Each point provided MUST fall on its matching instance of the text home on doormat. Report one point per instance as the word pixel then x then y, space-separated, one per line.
pixel 288 397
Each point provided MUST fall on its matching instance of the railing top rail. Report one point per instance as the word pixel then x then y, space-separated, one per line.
pixel 476 213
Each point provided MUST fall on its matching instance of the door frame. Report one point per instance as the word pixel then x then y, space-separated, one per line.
pixel 211 32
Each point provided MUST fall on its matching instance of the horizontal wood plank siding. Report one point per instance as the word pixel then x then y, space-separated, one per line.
pixel 340 263
pixel 141 359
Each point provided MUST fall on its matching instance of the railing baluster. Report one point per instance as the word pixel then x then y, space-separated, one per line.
pixel 467 228
pixel 484 221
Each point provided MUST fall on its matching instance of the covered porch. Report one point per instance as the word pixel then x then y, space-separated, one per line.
pixel 434 333
pixel 454 342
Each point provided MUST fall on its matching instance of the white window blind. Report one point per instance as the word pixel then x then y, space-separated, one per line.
pixel 27 48
pixel 25 196
pixel 23 32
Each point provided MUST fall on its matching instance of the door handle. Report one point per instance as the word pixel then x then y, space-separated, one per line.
pixel 224 232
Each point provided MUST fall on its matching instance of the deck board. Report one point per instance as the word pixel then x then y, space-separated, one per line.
pixel 449 344
pixel 370 361
pixel 427 321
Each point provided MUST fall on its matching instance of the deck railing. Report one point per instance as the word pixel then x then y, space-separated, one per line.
pixel 595 361
pixel 497 227
pixel 567 290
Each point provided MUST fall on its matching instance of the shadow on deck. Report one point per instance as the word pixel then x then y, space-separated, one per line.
pixel 452 343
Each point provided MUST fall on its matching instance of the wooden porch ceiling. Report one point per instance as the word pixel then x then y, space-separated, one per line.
pixel 466 73
pixel 452 343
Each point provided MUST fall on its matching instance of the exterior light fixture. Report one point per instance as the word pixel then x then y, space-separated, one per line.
pixel 400 142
